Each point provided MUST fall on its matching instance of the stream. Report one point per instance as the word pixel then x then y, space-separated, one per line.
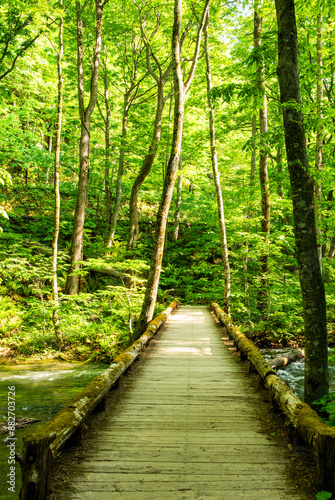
pixel 41 389
pixel 293 374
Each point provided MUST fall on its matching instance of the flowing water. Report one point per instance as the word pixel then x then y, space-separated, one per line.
pixel 293 374
pixel 36 391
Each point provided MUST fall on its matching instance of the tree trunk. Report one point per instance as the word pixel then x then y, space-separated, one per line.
pixel 72 283
pixel 280 171
pixel 263 168
pixel 253 151
pixel 118 195
pixel 180 89
pixel 178 203
pixel 107 120
pixel 319 134
pixel 55 318
pixel 216 175
pixel 312 288
pixel 146 167
pixel 50 151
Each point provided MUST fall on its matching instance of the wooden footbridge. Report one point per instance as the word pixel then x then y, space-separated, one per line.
pixel 190 425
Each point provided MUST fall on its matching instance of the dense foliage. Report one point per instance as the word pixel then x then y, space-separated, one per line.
pixel 98 321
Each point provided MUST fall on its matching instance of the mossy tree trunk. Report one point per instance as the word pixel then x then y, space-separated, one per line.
pixel 180 89
pixel 313 294
pixel 319 133
pixel 55 318
pixel 262 302
pixel 72 283
pixel 216 175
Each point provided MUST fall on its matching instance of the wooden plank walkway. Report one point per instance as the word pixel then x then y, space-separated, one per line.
pixel 187 427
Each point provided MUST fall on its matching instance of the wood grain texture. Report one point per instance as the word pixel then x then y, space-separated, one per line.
pixel 188 426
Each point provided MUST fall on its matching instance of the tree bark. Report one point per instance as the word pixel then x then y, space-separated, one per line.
pixel 176 223
pixel 72 283
pixel 312 288
pixel 216 175
pixel 263 167
pixel 146 166
pixel 253 151
pixel 55 317
pixel 180 89
pixel 118 195
pixel 161 79
pixel 107 120
pixel 319 135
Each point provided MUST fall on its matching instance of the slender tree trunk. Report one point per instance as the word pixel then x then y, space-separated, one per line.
pixel 55 317
pixel 146 167
pixel 253 152
pixel 72 283
pixel 222 225
pixel 249 213
pixel 118 194
pixel 107 120
pixel 179 104
pixel 280 171
pixel 319 134
pixel 50 151
pixel 312 288
pixel 263 168
pixel 178 203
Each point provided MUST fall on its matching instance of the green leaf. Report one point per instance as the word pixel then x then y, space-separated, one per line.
pixel 323 495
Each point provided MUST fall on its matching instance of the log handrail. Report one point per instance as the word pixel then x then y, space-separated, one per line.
pixel 39 447
pixel 301 416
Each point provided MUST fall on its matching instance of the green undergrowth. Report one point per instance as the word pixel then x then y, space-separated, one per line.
pixel 95 324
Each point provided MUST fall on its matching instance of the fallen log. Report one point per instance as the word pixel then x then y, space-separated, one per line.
pixel 125 278
pixel 38 246
pixel 289 358
pixel 20 422
pixel 248 349
pixel 40 447
pixel 301 416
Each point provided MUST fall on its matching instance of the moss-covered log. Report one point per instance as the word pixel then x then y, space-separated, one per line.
pixel 126 279
pixel 248 349
pixel 37 448
pixel 304 420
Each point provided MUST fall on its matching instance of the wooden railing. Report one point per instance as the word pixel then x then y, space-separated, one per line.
pixel 40 447
pixel 302 417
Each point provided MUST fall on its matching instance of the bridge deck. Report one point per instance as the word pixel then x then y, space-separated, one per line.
pixel 188 426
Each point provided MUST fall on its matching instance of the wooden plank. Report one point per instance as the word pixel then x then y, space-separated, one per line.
pixel 152 467
pixel 104 477
pixel 165 455
pixel 112 485
pixel 187 426
pixel 232 494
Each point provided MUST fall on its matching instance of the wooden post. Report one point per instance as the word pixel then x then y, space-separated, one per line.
pixel 34 462
pixel 325 447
